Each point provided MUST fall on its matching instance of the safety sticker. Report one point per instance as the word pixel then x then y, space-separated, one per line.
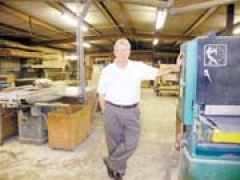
pixel 215 55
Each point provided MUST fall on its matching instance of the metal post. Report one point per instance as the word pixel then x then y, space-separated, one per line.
pixel 80 48
pixel 230 19
pixel 1 126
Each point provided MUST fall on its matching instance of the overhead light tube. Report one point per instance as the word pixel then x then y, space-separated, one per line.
pixel 236 30
pixel 155 42
pixel 72 21
pixel 72 57
pixel 161 17
pixel 86 45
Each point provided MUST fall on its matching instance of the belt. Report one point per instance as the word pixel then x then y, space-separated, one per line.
pixel 122 106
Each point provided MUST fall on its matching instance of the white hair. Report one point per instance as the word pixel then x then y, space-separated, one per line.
pixel 122 43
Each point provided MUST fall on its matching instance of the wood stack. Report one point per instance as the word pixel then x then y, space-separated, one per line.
pixel 12 49
pixel 34 62
pixel 168 84
pixel 146 84
pixel 89 67
pixel 7 80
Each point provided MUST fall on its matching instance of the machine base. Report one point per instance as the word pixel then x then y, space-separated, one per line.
pixel 202 168
pixel 32 141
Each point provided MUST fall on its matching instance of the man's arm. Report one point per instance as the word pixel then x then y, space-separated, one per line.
pixel 101 99
pixel 162 72
pixel 175 68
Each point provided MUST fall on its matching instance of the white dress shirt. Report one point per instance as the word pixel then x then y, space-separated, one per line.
pixel 122 86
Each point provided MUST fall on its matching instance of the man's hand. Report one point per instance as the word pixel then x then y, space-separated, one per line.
pixel 180 59
pixel 179 62
pixel 174 68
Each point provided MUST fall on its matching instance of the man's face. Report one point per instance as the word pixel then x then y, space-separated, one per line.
pixel 122 53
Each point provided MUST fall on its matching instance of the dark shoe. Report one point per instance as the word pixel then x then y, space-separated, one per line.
pixel 118 176
pixel 110 172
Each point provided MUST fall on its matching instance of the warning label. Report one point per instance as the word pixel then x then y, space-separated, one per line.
pixel 215 55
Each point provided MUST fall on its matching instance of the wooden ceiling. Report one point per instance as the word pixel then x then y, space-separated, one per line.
pixel 35 22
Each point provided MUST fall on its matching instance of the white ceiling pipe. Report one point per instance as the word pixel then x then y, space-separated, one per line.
pixel 160 4
pixel 204 5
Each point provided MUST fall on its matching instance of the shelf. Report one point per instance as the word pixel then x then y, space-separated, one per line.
pixel 6 52
pixel 40 66
pixel 10 44
pixel 26 79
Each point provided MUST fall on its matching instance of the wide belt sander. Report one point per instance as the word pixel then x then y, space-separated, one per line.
pixel 209 108
pixel 220 129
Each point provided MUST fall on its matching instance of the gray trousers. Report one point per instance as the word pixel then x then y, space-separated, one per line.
pixel 122 131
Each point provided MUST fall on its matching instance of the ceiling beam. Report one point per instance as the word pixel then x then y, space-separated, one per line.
pixel 199 6
pixel 116 36
pixel 16 31
pixel 100 8
pixel 202 18
pixel 125 16
pixel 152 3
pixel 103 8
pixel 25 17
pixel 62 8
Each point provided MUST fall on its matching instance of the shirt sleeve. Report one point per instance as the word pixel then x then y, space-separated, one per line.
pixel 148 72
pixel 101 89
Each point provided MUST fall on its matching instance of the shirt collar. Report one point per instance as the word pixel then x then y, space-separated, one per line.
pixel 128 65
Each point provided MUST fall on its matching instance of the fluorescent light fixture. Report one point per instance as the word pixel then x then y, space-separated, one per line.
pixel 87 45
pixel 236 30
pixel 161 17
pixel 72 21
pixel 72 57
pixel 155 42
pixel 85 28
pixel 69 20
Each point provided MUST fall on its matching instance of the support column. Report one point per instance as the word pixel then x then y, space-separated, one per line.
pixel 230 19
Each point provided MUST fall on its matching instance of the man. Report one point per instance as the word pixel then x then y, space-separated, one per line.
pixel 119 95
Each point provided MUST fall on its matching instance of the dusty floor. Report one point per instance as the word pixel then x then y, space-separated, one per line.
pixel 155 159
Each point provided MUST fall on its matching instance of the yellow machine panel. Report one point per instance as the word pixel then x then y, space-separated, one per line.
pixel 226 137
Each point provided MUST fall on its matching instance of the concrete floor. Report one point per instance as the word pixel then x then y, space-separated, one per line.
pixel 155 158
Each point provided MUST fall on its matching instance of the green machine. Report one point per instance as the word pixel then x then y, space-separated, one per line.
pixel 209 107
